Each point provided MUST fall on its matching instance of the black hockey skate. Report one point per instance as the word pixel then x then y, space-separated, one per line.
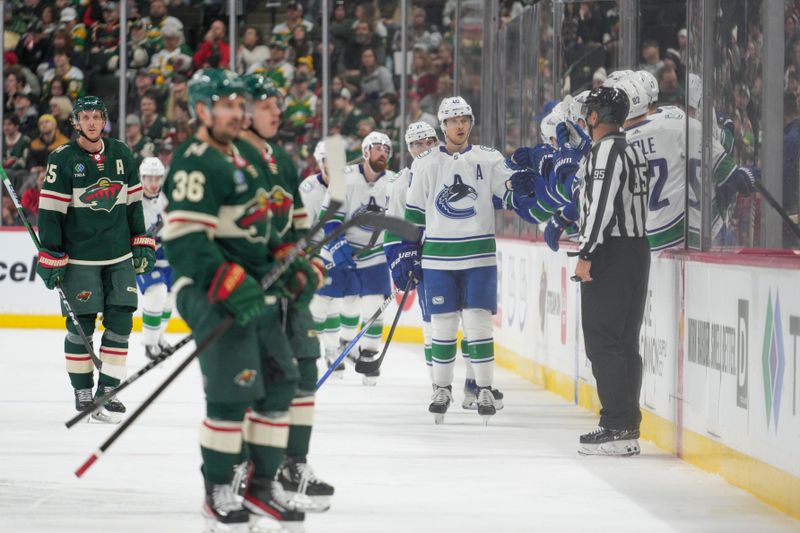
pixel 440 402
pixel 371 378
pixel 83 399
pixel 471 396
pixel 223 510
pixel 486 407
pixel 307 491
pixel 112 408
pixel 266 497
pixel 614 442
pixel 352 355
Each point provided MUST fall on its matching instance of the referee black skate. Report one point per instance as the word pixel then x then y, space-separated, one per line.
pixel 613 266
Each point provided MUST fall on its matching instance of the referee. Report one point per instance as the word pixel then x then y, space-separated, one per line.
pixel 613 266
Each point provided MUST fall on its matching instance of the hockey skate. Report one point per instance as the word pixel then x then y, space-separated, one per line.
pixel 440 402
pixel 103 415
pixel 370 379
pixel 266 497
pixel 352 355
pixel 307 491
pixel 471 396
pixel 613 442
pixel 224 511
pixel 330 358
pixel 486 407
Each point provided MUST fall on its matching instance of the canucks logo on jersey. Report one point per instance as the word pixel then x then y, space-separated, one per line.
pixel 102 195
pixel 457 200
pixel 371 207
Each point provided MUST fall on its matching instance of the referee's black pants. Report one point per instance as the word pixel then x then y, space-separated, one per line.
pixel 612 308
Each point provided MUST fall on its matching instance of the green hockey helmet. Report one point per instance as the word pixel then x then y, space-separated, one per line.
pixel 88 103
pixel 213 84
pixel 260 87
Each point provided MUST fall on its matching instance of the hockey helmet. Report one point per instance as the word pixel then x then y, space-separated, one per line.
pixel 319 153
pixel 611 105
pixel 260 87
pixel 694 91
pixel 637 97
pixel 88 103
pixel 577 108
pixel 375 137
pixel 418 131
pixel 649 84
pixel 617 76
pixel 454 106
pixel 211 85
pixel 152 166
pixel 547 127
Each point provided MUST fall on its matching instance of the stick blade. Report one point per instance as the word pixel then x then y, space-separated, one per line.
pixel 335 161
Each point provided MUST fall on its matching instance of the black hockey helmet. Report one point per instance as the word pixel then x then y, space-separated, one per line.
pixel 610 103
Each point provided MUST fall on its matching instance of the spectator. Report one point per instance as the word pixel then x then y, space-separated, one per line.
pixel 365 126
pixel 214 52
pixel 419 75
pixel 105 34
pixel 140 145
pixel 651 54
pixel 416 114
pixel 591 22
pixel 252 51
pixel 375 80
pixel 278 69
pixel 10 214
pixel 669 90
pixel 683 45
pixel 166 148
pixel 173 58
pixel 63 69
pixel 299 108
pixel 791 33
pixel 32 47
pixel 444 88
pixel 365 12
pixel 143 84
pixel 445 55
pixel 304 66
pixel 14 83
pixel 16 146
pixel 341 26
pixel 346 116
pixel 294 18
pixel 48 140
pixel 362 39
pixel 76 29
pixel 48 20
pixel 61 108
pixel 152 123
pixel 30 197
pixel 157 19
pixel 27 113
pixel 177 103
pixel 791 164
pixel 389 119
pixel 299 45
pixel 139 50
pixel 421 34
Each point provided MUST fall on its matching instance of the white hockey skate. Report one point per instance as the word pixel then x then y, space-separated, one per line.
pixel 223 511
pixel 471 396
pixel 486 407
pixel 610 442
pixel 84 401
pixel 440 402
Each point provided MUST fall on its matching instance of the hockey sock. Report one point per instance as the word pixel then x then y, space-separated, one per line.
pixel 372 337
pixel 118 322
pixel 327 322
pixel 153 301
pixel 221 440
pixel 79 363
pixel 426 336
pixel 478 330
pixel 443 347
pixel 266 428
pixel 465 354
pixel 165 316
pixel 301 420
pixel 349 318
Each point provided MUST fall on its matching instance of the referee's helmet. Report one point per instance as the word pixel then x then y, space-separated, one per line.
pixel 610 103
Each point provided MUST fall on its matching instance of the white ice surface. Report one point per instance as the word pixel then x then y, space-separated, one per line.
pixel 394 470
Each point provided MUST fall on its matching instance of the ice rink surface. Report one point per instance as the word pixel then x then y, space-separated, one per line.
pixel 394 470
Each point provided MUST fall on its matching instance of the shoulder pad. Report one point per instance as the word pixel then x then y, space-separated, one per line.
pixel 307 185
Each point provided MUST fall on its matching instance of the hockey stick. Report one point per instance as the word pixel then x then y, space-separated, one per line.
pixel 355 340
pixel 70 313
pixel 368 367
pixel 777 207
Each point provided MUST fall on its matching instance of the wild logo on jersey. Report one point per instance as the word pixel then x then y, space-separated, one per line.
pixel 102 195
pixel 371 207
pixel 255 211
pixel 280 202
pixel 457 200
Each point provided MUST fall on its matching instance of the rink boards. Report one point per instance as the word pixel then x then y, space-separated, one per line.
pixel 719 342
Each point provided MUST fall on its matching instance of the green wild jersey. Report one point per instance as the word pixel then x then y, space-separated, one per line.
pixel 91 204
pixel 218 211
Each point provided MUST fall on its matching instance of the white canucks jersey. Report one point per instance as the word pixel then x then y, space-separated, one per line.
pixel 662 139
pixel 397 202
pixel 312 192
pixel 362 196
pixel 153 209
pixel 450 196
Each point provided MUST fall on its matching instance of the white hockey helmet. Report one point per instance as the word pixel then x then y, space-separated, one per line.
pixel 617 75
pixel 694 91
pixel 152 166
pixel 454 106
pixel 547 127
pixel 375 137
pixel 577 109
pixel 649 84
pixel 418 131
pixel 319 153
pixel 637 97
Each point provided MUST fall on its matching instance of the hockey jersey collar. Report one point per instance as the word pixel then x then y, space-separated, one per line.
pixel 320 180
pixel 361 170
pixel 446 151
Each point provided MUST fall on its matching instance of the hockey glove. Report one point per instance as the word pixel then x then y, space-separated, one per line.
pixel 570 134
pixel 51 267
pixel 566 162
pixel 342 253
pixel 239 294
pixel 745 179
pixel 406 262
pixel 302 278
pixel 143 248
pixel 537 158
pixel 557 224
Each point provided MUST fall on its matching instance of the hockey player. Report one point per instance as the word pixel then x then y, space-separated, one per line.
pixel 216 235
pixel 289 222
pixel 155 285
pixel 368 186
pixel 93 242
pixel 451 197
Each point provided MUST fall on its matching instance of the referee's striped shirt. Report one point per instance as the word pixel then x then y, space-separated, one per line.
pixel 613 193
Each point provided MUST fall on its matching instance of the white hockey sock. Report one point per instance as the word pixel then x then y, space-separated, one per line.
pixel 154 301
pixel 478 330
pixel 372 337
pixel 350 317
pixel 444 327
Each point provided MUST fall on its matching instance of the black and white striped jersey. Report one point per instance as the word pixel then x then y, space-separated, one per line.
pixel 613 193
